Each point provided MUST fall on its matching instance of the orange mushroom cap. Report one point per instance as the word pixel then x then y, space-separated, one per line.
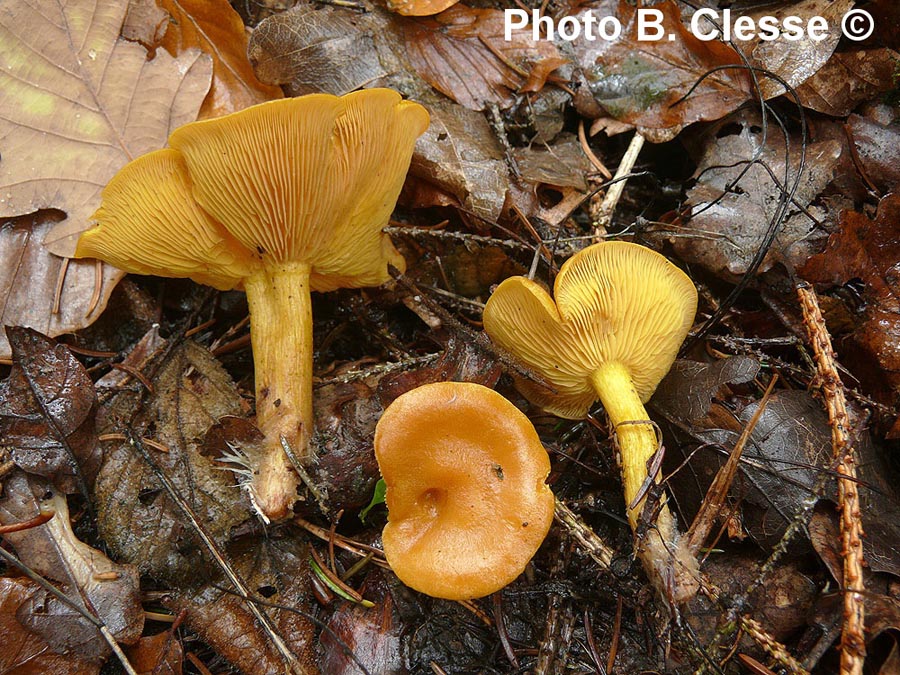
pixel 419 7
pixel 467 501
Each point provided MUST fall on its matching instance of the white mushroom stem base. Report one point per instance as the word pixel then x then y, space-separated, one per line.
pixel 669 563
pixel 281 336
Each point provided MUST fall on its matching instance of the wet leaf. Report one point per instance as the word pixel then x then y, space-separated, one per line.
pixel 313 49
pixel 640 81
pixel 78 104
pixel 214 27
pixel 796 61
pixel 29 275
pixel 727 249
pixel 277 571
pixel 780 604
pixel 25 652
pixel 848 79
pixel 687 391
pixel 135 515
pixel 53 551
pixel 868 250
pixel 460 153
pixel 345 425
pixel 877 145
pixel 560 164
pixel 464 54
pixel 462 361
pixel 373 635
pixel 160 654
pixel 46 407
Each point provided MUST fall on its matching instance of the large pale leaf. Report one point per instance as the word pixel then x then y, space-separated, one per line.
pixel 214 27
pixel 78 103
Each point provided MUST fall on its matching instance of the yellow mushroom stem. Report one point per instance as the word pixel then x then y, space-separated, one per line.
pixel 281 335
pixel 637 441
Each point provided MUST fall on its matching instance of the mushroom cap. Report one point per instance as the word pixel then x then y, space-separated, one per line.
pixel 150 224
pixel 419 7
pixel 467 503
pixel 615 302
pixel 311 179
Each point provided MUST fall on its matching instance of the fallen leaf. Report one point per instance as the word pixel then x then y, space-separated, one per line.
pixel 795 61
pixel 867 250
pixel 687 391
pixel 78 104
pixel 25 652
pixel 459 153
pixel 730 217
pixel 642 82
pixel 561 163
pixel 112 591
pixel 464 54
pixel 374 635
pixel 29 275
pixel 848 79
pixel 214 27
pixel 46 407
pixel 135 515
pixel 877 146
pixel 276 571
pixel 311 49
pixel 780 604
pixel 160 654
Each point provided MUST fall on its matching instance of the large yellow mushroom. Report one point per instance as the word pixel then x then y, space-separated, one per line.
pixel 279 199
pixel 621 312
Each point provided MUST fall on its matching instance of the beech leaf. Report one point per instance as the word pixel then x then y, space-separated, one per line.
pixel 78 104
pixel 214 27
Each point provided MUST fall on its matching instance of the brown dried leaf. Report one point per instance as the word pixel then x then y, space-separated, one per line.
pixel 373 634
pixel 45 412
pixel 639 81
pixel 25 652
pixel 52 550
pixel 687 391
pixel 868 250
pixel 877 147
pixel 560 164
pixel 28 279
pixel 796 61
pixel 848 79
pixel 462 52
pixel 160 654
pixel 135 515
pixel 728 228
pixel 277 571
pixel 214 27
pixel 314 48
pixel 94 103
pixel 460 153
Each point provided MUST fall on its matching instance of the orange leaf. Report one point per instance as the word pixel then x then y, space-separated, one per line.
pixel 214 27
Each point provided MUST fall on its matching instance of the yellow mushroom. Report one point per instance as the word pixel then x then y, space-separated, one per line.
pixel 279 199
pixel 620 314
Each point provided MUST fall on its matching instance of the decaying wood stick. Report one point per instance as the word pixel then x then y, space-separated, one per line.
pixel 853 642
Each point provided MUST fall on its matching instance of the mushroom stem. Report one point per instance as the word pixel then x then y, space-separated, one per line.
pixel 281 336
pixel 668 562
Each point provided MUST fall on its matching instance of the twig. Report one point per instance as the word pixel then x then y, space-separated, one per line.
pixel 65 599
pixel 599 551
pixel 718 489
pixel 278 642
pixel 853 642
pixel 611 199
